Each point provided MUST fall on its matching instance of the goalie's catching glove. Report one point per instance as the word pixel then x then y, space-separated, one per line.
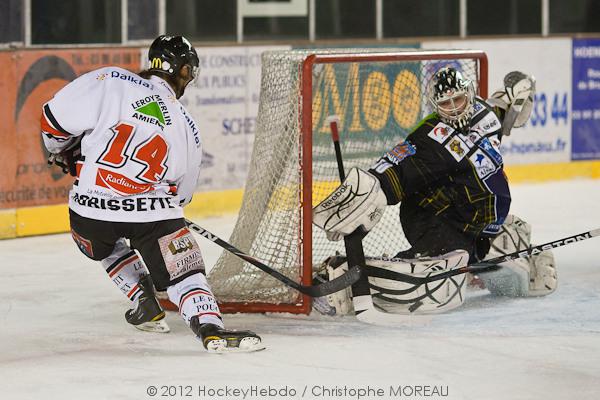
pixel 67 158
pixel 516 98
pixel 358 202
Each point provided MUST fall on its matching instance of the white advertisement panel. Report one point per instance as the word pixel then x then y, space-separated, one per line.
pixel 224 104
pixel 547 136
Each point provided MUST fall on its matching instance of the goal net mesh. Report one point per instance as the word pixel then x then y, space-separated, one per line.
pixel 377 103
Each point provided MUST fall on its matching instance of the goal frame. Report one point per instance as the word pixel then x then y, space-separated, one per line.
pixel 303 304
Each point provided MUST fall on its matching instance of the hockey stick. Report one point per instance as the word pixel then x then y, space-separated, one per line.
pixel 487 265
pixel 352 242
pixel 319 290
pixel 362 301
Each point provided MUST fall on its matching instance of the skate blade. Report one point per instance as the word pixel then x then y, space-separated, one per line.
pixel 154 326
pixel 246 345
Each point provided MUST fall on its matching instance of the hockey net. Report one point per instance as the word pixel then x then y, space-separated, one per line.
pixel 378 96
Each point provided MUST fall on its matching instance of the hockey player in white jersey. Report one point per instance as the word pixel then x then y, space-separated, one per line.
pixel 136 152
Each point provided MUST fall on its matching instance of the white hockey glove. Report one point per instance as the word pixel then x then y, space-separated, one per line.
pixel 523 277
pixel 358 202
pixel 516 98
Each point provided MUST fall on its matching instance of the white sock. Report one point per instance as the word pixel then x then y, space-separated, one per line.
pixel 125 268
pixel 193 296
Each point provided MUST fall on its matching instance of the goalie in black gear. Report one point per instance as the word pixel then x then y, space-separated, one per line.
pixel 448 178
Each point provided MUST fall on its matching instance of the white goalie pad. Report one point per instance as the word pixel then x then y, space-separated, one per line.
pixel 401 297
pixel 357 202
pixel 543 278
pixel 433 297
pixel 523 277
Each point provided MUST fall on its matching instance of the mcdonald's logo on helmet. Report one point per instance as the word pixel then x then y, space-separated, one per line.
pixel 156 63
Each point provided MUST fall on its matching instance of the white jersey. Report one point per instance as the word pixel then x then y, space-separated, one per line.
pixel 141 150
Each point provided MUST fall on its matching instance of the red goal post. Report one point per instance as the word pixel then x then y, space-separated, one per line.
pixel 380 96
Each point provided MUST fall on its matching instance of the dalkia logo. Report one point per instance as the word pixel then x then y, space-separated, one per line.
pixel 181 243
pixel 121 184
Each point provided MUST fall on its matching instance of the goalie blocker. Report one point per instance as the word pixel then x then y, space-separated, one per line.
pixel 531 277
pixel 358 202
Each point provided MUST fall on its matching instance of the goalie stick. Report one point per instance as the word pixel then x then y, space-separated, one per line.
pixel 322 289
pixel 362 301
pixel 487 265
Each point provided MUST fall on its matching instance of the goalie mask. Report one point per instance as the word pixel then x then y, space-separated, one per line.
pixel 168 54
pixel 452 97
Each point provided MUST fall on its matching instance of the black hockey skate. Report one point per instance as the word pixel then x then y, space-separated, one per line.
pixel 147 315
pixel 218 340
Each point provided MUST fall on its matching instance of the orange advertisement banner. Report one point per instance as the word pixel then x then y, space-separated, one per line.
pixel 28 79
pixel 8 134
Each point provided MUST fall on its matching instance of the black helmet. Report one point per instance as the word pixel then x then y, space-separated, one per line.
pixel 169 53
pixel 452 97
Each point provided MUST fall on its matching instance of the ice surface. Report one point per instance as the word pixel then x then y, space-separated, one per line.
pixel 63 335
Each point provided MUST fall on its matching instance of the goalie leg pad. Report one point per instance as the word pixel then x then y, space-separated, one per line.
pixel 401 297
pixel 525 277
pixel 338 303
pixel 433 297
pixel 342 300
pixel 543 278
